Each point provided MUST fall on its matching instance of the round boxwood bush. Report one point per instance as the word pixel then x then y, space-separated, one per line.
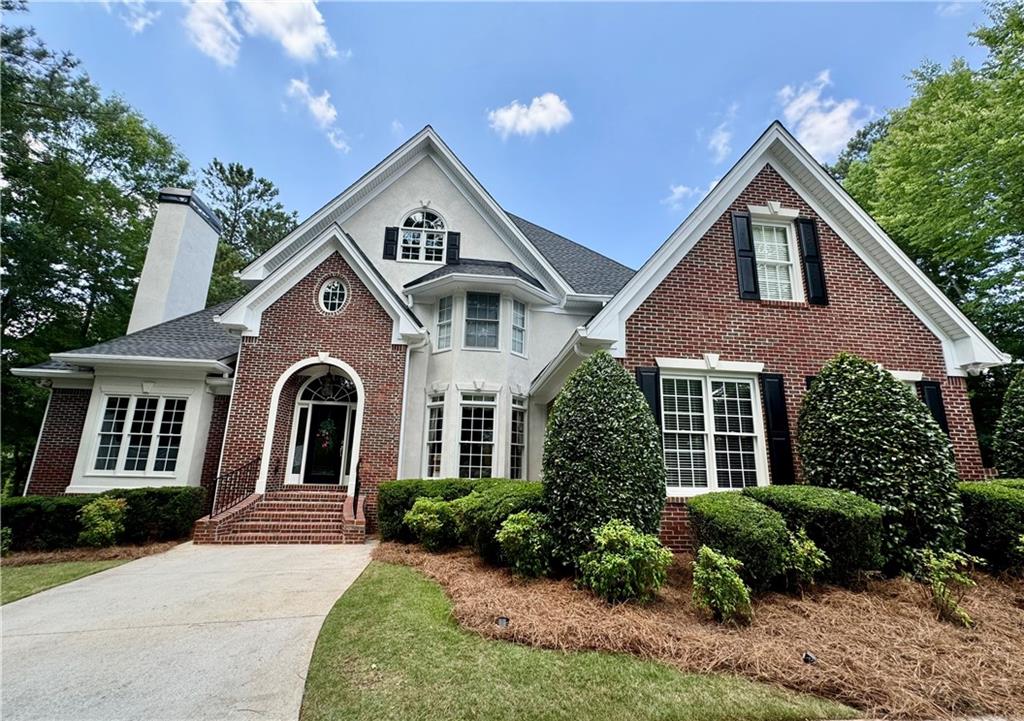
pixel 862 430
pixel 746 530
pixel 1009 440
pixel 434 523
pixel 602 458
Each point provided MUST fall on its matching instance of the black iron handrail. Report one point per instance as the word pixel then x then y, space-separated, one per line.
pixel 355 492
pixel 248 471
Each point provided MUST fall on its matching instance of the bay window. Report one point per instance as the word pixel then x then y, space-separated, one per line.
pixel 517 438
pixel 518 327
pixel 444 323
pixel 476 435
pixel 435 431
pixel 482 320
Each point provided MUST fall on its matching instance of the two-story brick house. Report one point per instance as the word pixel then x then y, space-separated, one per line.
pixel 413 328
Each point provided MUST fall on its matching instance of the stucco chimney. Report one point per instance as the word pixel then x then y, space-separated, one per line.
pixel 176 276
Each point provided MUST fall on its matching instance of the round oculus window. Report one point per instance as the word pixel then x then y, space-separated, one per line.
pixel 333 295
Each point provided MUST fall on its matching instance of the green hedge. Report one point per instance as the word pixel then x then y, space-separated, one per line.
pixel 994 523
pixel 1017 483
pixel 845 526
pixel 45 523
pixel 739 526
pixel 482 518
pixel 396 498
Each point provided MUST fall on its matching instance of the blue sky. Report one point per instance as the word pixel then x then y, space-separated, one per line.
pixel 604 122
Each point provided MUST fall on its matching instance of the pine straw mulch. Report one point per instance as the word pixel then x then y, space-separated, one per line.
pixel 880 649
pixel 111 553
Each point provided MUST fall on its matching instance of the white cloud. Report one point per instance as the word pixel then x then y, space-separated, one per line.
pixel 822 124
pixel 679 196
pixel 397 128
pixel 138 15
pixel 546 114
pixel 720 141
pixel 211 29
pixel 950 10
pixel 322 110
pixel 298 26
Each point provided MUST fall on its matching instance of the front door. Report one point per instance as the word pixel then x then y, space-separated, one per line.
pixel 326 443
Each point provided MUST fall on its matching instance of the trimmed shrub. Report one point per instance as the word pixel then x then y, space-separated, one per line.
pixel 482 517
pixel 433 523
pixel 1015 483
pixel 948 575
pixel 845 526
pixel 993 522
pixel 625 565
pixel 602 457
pixel 102 521
pixel 396 498
pixel 862 430
pixel 160 514
pixel 744 529
pixel 718 588
pixel 525 543
pixel 1008 444
pixel 43 523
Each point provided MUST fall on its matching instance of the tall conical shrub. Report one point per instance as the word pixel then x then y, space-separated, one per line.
pixel 1009 440
pixel 862 430
pixel 602 457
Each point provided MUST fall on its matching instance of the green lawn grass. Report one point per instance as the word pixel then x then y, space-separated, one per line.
pixel 20 581
pixel 390 649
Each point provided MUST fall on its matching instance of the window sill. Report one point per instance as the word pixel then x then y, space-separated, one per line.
pixel 519 355
pixel 785 303
pixel 439 351
pixel 481 350
pixel 420 262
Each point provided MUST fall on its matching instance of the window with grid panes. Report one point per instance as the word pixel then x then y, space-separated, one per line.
pixel 483 311
pixel 140 434
pixel 423 237
pixel 476 435
pixel 444 323
pixel 518 327
pixel 435 431
pixel 774 262
pixel 517 442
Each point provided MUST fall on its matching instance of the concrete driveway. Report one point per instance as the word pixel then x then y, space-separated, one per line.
pixel 199 632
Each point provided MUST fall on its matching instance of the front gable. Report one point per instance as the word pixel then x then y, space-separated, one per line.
pixel 776 165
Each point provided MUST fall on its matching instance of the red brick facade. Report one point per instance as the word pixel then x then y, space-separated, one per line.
pixel 58 441
pixel 696 309
pixel 675 525
pixel 214 442
pixel 293 329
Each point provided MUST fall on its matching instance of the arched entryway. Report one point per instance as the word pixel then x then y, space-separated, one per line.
pixel 323 430
pixel 316 412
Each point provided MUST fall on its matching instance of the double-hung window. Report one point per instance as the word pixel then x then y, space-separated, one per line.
pixel 518 327
pixel 435 432
pixel 775 279
pixel 476 435
pixel 711 433
pixel 517 438
pixel 483 311
pixel 444 323
pixel 140 434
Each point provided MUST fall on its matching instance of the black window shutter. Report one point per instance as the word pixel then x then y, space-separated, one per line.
pixel 746 262
pixel 649 380
pixel 390 243
pixel 808 380
pixel 780 447
pixel 931 394
pixel 454 241
pixel 814 272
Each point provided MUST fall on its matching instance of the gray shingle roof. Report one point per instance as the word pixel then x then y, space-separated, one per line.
pixel 475 266
pixel 586 270
pixel 193 336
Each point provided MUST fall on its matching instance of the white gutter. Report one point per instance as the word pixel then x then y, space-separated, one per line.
pixel 100 359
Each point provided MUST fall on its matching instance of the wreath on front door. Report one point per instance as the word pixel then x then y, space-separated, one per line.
pixel 326 433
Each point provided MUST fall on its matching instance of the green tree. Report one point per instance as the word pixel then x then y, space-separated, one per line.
pixel 1009 441
pixel 602 457
pixel 252 219
pixel 861 430
pixel 80 170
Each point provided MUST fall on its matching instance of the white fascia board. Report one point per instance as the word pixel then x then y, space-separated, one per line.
pixel 709 363
pixel 461 281
pixel 50 373
pixel 106 360
pixel 551 378
pixel 246 314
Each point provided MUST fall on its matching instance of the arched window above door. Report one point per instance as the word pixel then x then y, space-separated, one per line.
pixel 330 388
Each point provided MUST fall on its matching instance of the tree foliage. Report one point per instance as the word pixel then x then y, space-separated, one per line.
pixel 252 219
pixel 602 457
pixel 861 430
pixel 1009 439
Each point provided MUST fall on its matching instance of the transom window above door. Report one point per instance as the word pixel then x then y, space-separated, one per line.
pixel 330 388
pixel 423 237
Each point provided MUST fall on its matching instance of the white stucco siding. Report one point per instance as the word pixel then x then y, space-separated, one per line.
pixel 424 183
pixel 195 428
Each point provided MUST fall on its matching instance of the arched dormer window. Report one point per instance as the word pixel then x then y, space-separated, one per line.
pixel 423 237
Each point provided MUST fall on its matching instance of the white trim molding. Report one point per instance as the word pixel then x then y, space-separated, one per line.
pixel 709 362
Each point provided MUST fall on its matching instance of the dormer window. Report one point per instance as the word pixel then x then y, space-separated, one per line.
pixel 423 237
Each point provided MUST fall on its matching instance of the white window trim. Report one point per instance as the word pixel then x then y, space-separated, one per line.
pixel 908 376
pixel 513 328
pixel 710 362
pixel 493 403
pixel 421 259
pixel 760 442
pixel 323 287
pixel 466 319
pixel 781 218
pixel 431 404
pixel 438 348
pixel 525 408
pixel 122 452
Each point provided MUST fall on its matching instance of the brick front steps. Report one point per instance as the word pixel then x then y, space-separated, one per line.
pixel 302 515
